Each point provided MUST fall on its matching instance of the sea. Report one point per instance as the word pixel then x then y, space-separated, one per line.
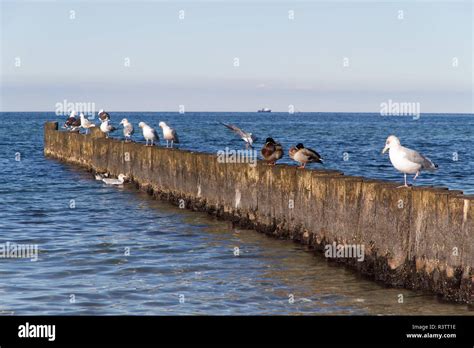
pixel 110 250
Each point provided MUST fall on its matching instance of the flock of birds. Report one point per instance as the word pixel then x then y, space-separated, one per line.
pixel 405 160
pixel 74 124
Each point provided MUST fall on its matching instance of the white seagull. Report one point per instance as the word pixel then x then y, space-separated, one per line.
pixel 148 133
pixel 106 128
pixel 249 138
pixel 406 160
pixel 85 123
pixel 127 129
pixel 119 181
pixel 169 134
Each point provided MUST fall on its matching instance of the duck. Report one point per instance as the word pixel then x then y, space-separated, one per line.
pixel 405 160
pixel 271 151
pixel 148 133
pixel 169 134
pixel 304 155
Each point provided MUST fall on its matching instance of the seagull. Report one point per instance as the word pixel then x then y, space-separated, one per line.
pixel 127 129
pixel 249 138
pixel 271 151
pixel 119 181
pixel 103 115
pixel 304 155
pixel 70 119
pixel 73 123
pixel 169 134
pixel 106 128
pixel 406 160
pixel 85 123
pixel 148 133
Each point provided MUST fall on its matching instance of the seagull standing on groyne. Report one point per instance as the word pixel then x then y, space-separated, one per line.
pixel 85 123
pixel 148 133
pixel 106 127
pixel 127 129
pixel 169 134
pixel 406 160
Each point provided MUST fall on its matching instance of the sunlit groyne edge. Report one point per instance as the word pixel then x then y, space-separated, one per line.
pixel 418 238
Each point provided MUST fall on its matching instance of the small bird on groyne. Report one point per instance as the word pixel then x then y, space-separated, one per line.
pixel 169 134
pixel 106 127
pixel 149 133
pixel 304 155
pixel 127 129
pixel 271 151
pixel 103 115
pixel 249 138
pixel 406 160
pixel 85 123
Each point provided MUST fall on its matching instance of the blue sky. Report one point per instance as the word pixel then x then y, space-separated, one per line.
pixel 190 61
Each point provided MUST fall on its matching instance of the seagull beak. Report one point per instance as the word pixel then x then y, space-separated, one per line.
pixel 385 149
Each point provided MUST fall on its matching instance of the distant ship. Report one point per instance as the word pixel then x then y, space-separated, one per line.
pixel 264 110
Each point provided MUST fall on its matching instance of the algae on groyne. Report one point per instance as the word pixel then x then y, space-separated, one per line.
pixel 417 238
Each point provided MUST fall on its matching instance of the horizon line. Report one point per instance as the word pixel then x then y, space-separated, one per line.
pixel 255 112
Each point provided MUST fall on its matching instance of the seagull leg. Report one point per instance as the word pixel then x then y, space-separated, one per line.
pixel 416 175
pixel 171 143
pixel 406 185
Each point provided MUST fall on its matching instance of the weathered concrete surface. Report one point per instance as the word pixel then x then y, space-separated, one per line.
pixel 417 238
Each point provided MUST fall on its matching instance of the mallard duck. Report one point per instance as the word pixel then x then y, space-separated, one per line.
pixel 304 155
pixel 292 151
pixel 406 160
pixel 271 151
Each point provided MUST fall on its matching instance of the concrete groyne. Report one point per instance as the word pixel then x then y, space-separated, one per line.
pixel 417 238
